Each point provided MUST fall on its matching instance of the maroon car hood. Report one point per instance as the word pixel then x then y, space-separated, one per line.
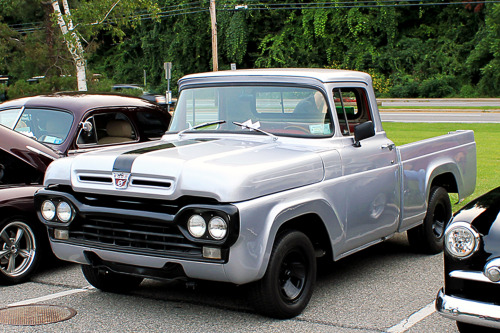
pixel 26 149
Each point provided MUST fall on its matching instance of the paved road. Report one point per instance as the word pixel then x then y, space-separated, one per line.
pixel 439 116
pixel 441 102
pixel 441 110
pixel 387 288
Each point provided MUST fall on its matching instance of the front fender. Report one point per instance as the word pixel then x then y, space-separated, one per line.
pixel 262 218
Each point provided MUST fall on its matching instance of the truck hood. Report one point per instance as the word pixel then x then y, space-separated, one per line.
pixel 227 169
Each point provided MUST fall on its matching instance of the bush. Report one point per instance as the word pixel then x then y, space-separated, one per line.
pixel 489 85
pixel 437 87
pixel 46 85
pixel 100 85
pixel 468 91
pixel 404 87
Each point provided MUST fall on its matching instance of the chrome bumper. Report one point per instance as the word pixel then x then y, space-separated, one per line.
pixel 468 311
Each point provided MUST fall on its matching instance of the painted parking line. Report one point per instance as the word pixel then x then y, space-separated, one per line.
pixel 412 320
pixel 52 296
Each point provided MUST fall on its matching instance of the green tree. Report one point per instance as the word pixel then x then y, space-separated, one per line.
pixel 483 62
pixel 410 51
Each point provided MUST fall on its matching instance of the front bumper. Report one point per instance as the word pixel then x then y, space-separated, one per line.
pixel 468 311
pixel 143 264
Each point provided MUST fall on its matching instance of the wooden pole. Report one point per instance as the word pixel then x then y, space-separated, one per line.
pixel 213 19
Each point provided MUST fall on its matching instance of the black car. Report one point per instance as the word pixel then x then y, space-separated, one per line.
pixel 471 293
pixel 156 98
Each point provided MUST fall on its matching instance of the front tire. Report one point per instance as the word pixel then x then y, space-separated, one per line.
pixel 428 237
pixel 19 250
pixel 287 286
pixel 106 280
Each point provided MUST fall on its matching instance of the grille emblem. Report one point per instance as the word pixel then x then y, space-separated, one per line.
pixel 120 179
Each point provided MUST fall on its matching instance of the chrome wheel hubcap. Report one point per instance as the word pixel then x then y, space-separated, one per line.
pixel 17 249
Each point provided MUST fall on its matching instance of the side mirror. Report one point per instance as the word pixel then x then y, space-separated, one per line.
pixel 86 126
pixel 363 131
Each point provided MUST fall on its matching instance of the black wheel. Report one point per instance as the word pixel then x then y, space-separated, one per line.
pixel 469 328
pixel 287 286
pixel 428 237
pixel 106 280
pixel 19 250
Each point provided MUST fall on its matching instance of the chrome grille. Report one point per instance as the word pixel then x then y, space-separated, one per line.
pixel 140 236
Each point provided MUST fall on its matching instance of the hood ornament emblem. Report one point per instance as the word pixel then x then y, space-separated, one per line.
pixel 120 179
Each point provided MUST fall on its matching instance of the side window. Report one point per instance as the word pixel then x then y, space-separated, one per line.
pixel 107 128
pixel 352 108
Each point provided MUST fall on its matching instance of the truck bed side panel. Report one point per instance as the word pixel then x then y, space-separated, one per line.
pixel 422 161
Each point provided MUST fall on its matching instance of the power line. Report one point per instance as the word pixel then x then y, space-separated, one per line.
pixel 261 5
pixel 351 4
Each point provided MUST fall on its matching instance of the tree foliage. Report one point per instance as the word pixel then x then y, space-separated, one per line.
pixel 410 51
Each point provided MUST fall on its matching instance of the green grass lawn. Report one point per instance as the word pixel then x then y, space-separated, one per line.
pixel 487 138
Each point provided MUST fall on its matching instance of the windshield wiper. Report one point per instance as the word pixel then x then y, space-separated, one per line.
pixel 256 129
pixel 201 125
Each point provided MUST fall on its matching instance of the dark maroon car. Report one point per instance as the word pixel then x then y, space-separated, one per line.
pixel 36 130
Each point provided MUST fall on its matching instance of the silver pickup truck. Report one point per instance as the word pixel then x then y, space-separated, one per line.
pixel 261 173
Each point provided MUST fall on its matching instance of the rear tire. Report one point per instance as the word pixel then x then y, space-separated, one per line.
pixel 428 237
pixel 287 286
pixel 106 280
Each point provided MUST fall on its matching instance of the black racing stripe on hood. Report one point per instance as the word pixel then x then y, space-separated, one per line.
pixel 123 163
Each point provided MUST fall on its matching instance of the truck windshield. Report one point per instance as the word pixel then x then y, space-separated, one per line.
pixel 285 111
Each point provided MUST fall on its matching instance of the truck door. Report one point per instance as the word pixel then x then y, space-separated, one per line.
pixel 370 173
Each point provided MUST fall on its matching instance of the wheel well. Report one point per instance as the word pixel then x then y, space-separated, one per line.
pixel 446 180
pixel 313 227
pixel 8 211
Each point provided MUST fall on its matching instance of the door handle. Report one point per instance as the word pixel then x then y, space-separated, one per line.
pixel 389 146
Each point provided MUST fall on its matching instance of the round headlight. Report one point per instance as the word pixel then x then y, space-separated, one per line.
pixel 217 227
pixel 48 210
pixel 197 226
pixel 64 212
pixel 461 240
pixel 493 273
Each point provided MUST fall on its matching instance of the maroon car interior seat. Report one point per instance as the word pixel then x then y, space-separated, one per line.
pixel 118 130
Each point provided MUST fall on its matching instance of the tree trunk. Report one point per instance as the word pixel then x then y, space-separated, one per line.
pixel 73 43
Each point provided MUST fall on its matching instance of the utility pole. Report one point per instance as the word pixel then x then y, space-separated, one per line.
pixel 213 19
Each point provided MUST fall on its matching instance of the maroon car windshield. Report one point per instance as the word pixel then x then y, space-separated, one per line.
pixel 44 125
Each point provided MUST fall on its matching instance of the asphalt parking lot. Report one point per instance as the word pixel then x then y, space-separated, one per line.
pixel 386 288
